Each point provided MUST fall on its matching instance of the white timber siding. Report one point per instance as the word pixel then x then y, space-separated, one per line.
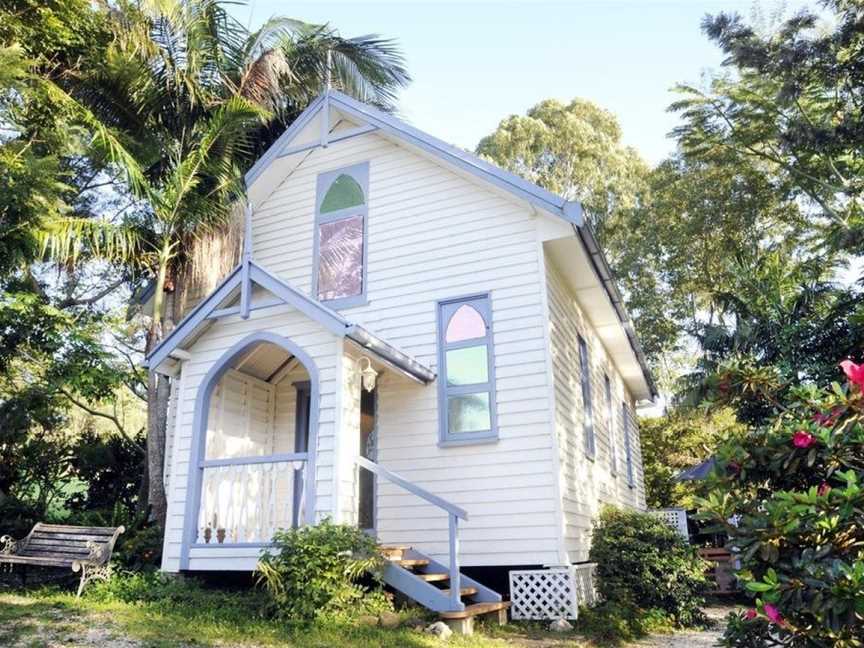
pixel 434 234
pixel 587 484
pixel 325 349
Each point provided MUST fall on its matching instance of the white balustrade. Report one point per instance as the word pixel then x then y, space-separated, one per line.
pixel 249 502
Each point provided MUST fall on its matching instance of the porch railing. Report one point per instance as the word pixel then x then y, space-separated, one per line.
pixel 245 500
pixel 454 514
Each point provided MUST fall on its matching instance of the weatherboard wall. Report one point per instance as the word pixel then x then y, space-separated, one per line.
pixel 433 235
pixel 587 483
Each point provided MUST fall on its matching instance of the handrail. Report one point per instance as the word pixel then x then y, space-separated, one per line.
pixel 378 469
pixel 454 513
pixel 258 459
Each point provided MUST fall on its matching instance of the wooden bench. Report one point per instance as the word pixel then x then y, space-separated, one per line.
pixel 84 549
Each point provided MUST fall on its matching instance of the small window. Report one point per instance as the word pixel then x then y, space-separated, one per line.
pixel 587 405
pixel 466 370
pixel 628 449
pixel 340 236
pixel 610 423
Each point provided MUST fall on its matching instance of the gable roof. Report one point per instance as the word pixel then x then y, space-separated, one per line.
pixel 379 120
pixel 376 120
pixel 239 283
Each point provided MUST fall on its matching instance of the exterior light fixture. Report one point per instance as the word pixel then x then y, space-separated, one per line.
pixel 368 375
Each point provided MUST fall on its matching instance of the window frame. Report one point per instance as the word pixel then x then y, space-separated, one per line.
pixel 482 303
pixel 589 435
pixel 610 417
pixel 360 174
pixel 628 445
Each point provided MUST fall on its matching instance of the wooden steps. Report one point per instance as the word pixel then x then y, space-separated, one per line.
pixel 428 582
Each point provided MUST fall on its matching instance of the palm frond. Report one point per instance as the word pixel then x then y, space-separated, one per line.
pixel 67 240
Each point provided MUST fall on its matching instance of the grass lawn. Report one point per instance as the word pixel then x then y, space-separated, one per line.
pixel 49 618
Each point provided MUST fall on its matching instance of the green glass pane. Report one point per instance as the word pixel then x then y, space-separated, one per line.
pixel 342 194
pixel 468 413
pixel 467 366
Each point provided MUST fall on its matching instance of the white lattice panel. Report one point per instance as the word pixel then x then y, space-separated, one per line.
pixel 583 579
pixel 676 518
pixel 552 593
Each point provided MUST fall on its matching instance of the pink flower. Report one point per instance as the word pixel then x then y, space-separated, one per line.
pixel 773 613
pixel 854 372
pixel 824 489
pixel 802 439
pixel 750 614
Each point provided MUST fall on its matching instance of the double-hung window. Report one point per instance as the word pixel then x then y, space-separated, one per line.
pixel 466 362
pixel 587 405
pixel 628 445
pixel 341 214
pixel 610 418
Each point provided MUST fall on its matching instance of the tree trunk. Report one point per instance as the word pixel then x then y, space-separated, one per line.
pixel 158 392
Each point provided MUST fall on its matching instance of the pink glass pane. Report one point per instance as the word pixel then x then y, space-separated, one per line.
pixel 340 266
pixel 466 324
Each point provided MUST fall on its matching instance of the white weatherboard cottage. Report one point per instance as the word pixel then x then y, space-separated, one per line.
pixel 416 342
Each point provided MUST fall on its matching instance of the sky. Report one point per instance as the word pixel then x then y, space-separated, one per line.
pixel 475 63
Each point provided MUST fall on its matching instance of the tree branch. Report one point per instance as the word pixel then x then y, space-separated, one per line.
pixel 110 417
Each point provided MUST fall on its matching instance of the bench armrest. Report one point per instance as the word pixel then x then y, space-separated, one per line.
pixel 8 545
pixel 100 552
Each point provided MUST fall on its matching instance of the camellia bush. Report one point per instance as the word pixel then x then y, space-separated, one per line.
pixel 789 495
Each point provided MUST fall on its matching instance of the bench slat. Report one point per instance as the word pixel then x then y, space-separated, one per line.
pixel 35 560
pixel 63 528
pixel 30 549
pixel 68 537
pixel 54 555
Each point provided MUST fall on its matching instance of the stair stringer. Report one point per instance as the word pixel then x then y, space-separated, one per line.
pixel 419 590
pixel 483 595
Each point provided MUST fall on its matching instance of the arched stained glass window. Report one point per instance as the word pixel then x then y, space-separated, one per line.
pixel 343 193
pixel 340 236
pixel 465 324
pixel 467 370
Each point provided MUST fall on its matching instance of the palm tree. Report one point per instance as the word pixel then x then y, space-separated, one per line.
pixel 184 101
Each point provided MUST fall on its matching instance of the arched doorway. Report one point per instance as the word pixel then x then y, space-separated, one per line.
pixel 252 453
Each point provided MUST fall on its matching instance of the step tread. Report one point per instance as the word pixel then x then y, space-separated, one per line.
pixel 411 562
pixel 475 609
pixel 434 576
pixel 463 591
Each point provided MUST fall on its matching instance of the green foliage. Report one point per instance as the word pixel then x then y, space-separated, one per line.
pixel 316 572
pixel 644 564
pixel 794 485
pixel 779 322
pixel 791 102
pixel 678 441
pixel 574 150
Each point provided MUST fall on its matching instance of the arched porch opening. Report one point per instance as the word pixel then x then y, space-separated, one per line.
pixel 253 445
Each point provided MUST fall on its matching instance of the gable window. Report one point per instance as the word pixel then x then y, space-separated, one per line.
pixel 587 405
pixel 466 382
pixel 610 418
pixel 628 449
pixel 340 236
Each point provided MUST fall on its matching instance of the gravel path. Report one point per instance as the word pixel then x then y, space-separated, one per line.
pixel 699 639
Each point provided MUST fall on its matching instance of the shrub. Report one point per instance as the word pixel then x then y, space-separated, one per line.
pixel 794 487
pixel 644 564
pixel 610 623
pixel 316 573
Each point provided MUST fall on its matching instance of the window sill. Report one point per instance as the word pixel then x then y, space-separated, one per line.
pixel 346 302
pixel 451 443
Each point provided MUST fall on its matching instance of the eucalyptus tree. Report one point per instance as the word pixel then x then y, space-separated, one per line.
pixel 184 100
